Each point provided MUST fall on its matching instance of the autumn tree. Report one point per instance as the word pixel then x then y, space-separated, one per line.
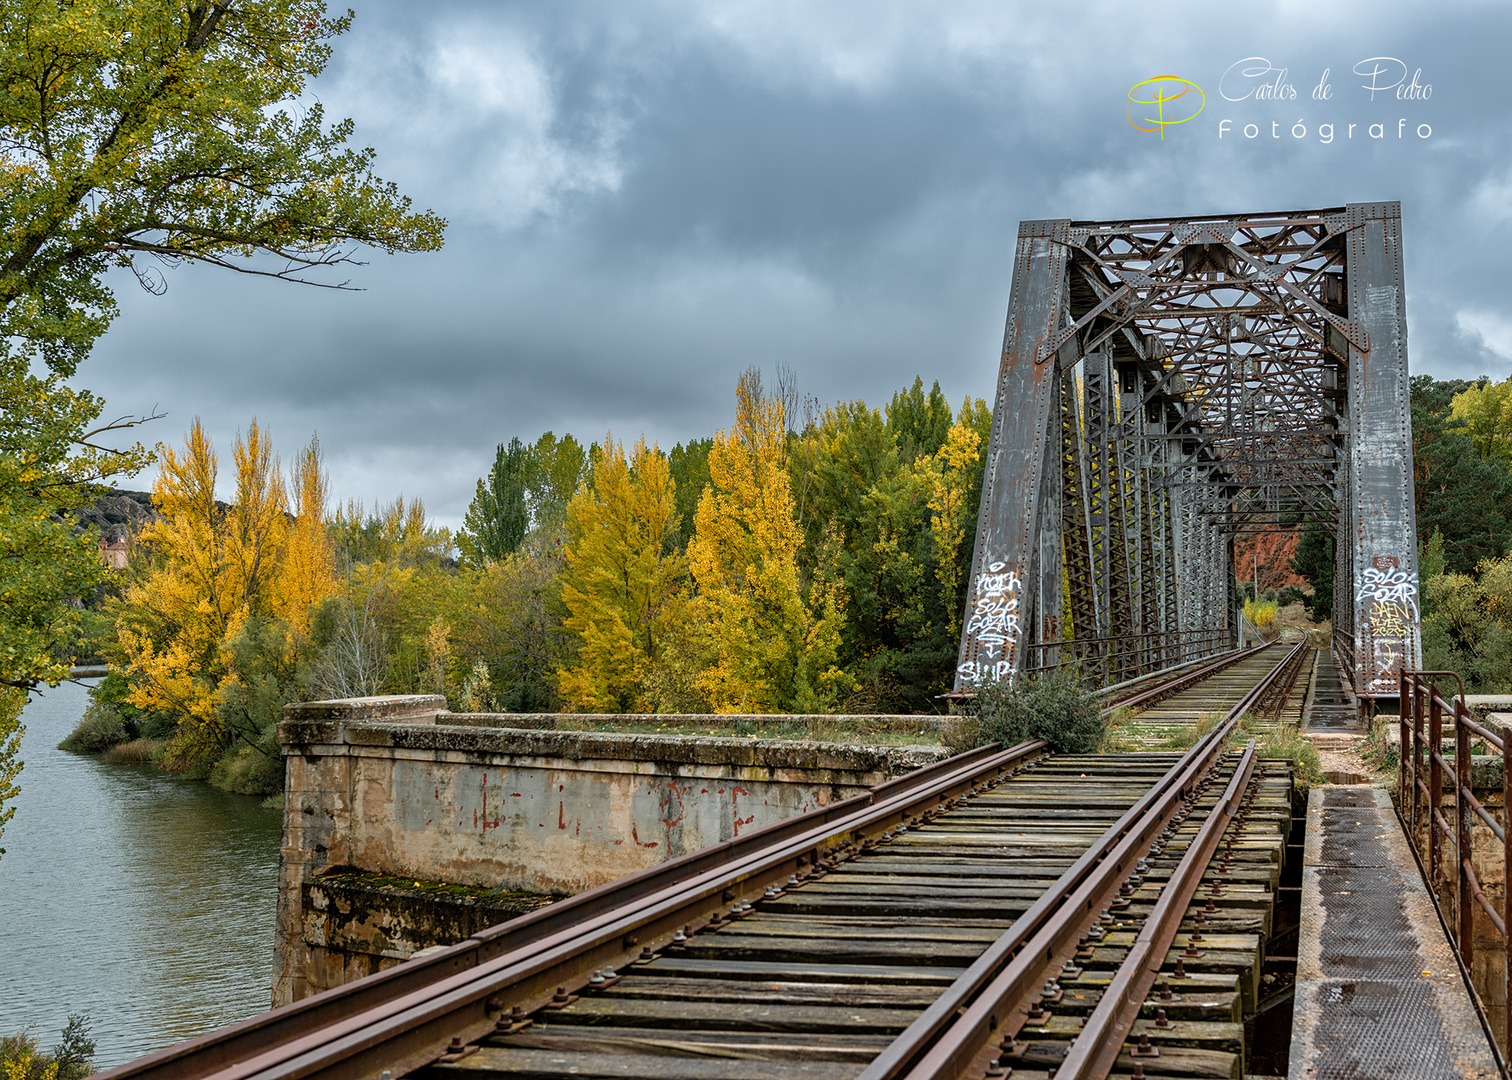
pixel 951 472
pixel 308 573
pixel 213 567
pixel 773 648
pixel 624 582
pixel 1484 410
pixel 140 133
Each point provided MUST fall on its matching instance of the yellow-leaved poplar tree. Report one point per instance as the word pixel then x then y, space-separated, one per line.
pixel 773 649
pixel 624 584
pixel 308 575
pixel 211 568
pixel 950 473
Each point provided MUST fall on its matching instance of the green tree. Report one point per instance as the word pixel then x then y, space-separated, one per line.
pixel 11 703
pixel 918 421
pixel 1467 498
pixel 689 464
pixel 497 519
pixel 1314 562
pixel 140 133
pixel 268 668
pixel 559 468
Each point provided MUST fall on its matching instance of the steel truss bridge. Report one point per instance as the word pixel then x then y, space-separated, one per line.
pixel 1168 385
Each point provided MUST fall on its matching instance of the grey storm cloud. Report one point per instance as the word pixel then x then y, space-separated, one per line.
pixel 647 197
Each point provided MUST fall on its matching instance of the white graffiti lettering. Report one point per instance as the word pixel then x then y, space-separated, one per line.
pixel 994 621
pixel 1390 584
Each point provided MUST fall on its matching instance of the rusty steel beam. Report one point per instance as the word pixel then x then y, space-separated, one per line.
pixel 1190 380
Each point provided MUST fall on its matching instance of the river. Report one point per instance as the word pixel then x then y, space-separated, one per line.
pixel 143 900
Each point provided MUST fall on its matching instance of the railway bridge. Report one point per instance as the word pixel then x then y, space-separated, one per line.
pixel 1181 910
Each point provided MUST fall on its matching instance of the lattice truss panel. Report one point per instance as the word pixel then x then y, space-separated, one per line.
pixel 1167 385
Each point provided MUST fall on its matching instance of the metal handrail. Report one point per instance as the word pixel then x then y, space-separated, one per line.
pixel 1134 654
pixel 1421 801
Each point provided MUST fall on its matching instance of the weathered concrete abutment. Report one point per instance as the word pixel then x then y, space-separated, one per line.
pixel 396 786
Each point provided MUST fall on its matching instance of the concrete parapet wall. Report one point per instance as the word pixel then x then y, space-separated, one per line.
pixel 379 786
pixel 861 722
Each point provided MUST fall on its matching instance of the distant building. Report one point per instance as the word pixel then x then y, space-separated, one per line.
pixel 114 552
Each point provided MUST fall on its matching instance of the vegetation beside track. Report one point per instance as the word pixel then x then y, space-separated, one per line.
pixel 1056 705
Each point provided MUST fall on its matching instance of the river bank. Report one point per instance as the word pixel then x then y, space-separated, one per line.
pixel 141 899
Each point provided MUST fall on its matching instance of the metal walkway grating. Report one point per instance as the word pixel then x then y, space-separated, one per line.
pixel 1378 992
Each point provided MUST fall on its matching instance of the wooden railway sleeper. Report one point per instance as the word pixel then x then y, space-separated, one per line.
pixel 963 1041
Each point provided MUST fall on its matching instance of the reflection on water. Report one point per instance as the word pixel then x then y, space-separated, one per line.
pixel 140 899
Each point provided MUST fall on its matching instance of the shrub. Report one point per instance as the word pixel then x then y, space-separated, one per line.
pixel 1055 705
pixel 72 1059
pixel 1290 595
pixel 100 728
pixel 1262 613
pixel 249 770
pixel 135 752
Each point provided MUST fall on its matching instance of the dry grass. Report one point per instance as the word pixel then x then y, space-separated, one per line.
pixel 135 752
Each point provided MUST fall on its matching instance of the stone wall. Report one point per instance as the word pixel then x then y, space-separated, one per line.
pixel 379 786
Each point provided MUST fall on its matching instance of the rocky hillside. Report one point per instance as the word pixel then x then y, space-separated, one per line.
pixel 118 513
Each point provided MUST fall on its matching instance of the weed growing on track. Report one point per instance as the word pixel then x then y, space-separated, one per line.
pixel 1055 705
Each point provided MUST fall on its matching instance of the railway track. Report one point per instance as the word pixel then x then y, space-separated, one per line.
pixel 1006 910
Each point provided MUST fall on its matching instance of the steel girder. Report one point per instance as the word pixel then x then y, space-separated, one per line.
pixel 1166 385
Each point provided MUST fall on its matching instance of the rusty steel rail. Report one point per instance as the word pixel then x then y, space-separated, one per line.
pixel 201 1056
pixel 409 1015
pixel 1094 1053
pixel 959 1035
pixel 1421 803
pixel 431 1009
pixel 1187 679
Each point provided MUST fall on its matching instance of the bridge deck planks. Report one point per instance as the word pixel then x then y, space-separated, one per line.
pixel 816 982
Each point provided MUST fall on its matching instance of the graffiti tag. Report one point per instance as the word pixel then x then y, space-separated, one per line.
pixel 994 624
pixel 1390 596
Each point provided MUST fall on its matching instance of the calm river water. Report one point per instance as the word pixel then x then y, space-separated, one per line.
pixel 142 900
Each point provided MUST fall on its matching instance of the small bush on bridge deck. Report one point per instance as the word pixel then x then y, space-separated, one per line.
pixel 1055 705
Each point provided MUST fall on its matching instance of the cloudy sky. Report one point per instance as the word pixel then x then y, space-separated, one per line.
pixel 646 196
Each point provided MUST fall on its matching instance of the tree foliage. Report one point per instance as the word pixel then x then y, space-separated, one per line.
pixel 496 521
pixel 221 584
pixel 527 490
pixel 12 701
pixel 167 130
pixel 141 134
pixel 773 648
pixel 1313 561
pixel 624 585
pixel 1484 409
pixel 72 1058
pixel 1463 495
pixel 52 452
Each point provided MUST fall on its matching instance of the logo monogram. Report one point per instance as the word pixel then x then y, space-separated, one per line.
pixel 1160 95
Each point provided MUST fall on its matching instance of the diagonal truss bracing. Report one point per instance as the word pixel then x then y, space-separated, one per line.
pixel 1166 385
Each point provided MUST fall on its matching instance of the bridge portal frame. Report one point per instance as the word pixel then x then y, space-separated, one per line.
pixel 1168 384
